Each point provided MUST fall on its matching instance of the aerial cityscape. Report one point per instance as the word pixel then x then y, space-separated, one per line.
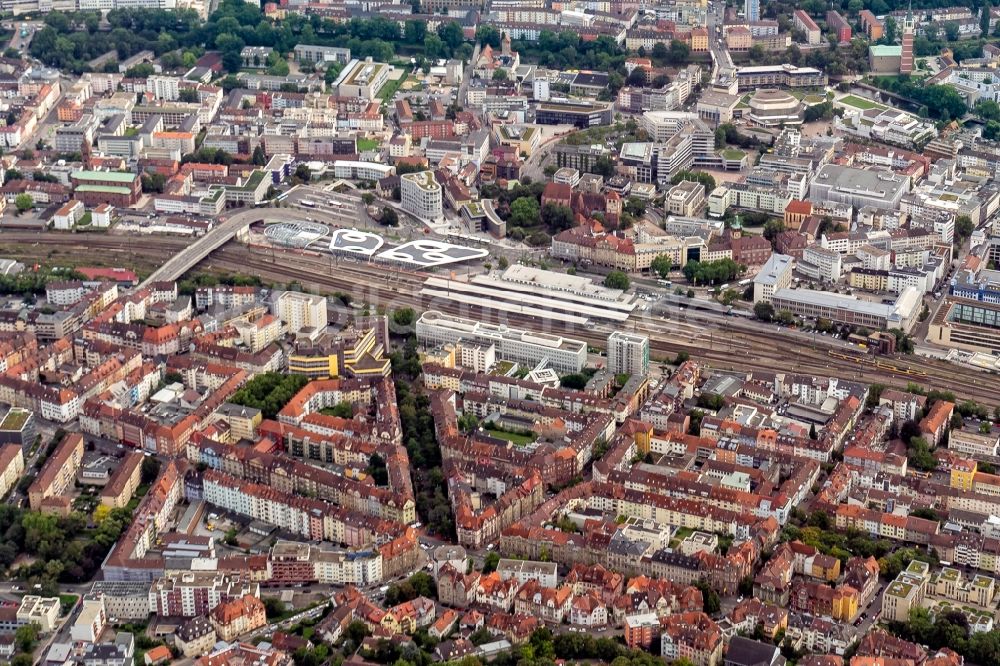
pixel 513 332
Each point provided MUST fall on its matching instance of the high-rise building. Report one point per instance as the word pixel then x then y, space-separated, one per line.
pixel 300 311
pixel 628 353
pixel 906 57
pixel 751 8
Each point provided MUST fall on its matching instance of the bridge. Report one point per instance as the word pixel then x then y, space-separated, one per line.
pixel 188 258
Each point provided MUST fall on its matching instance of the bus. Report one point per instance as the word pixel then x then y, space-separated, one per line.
pixel 665 283
pixel 744 283
pixel 308 203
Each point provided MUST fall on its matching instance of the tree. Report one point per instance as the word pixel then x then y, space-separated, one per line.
pixel 963 228
pixel 24 202
pixel 378 470
pixel 150 469
pixel 490 562
pixel 889 34
pixel 274 608
pixel 153 182
pixel 617 280
pixel 26 636
pixel 637 77
pixel 772 228
pixel 389 217
pixel 404 317
pixel 951 31
pixel 557 217
pixel 697 176
pixel 451 34
pixel 919 455
pixel 524 212
pixel 302 173
pixel 662 265
pixel 500 74
pixel 785 317
pixel 488 35
pixel 812 432
pixel 368 198
pixel 679 53
pixel 711 602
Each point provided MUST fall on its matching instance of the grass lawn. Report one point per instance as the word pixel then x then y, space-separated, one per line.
pixel 391 86
pixel 860 102
pixel 681 534
pixel 367 144
pixel 731 154
pixel 517 438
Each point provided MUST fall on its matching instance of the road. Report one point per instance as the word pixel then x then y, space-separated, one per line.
pixel 721 60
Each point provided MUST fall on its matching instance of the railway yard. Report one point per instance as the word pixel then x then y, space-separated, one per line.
pixel 723 343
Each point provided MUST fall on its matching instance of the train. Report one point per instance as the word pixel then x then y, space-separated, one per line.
pixel 864 358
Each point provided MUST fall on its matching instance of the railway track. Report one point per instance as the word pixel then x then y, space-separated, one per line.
pixel 737 347
pixel 738 350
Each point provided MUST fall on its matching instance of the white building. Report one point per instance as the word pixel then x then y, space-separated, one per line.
pixel 100 217
pixel 90 623
pixel 300 311
pixel 478 358
pixel 565 355
pixel 68 215
pixel 628 353
pixel 820 263
pixel 776 274
pixel 421 195
pixel 166 88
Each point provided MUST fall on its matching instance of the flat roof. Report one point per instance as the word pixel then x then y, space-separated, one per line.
pixel 500 292
pixel 776 265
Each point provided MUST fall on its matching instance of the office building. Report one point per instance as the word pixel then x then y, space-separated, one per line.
pixel 578 113
pixel 362 79
pixel 751 10
pixel 530 348
pixel 628 353
pixel 844 309
pixel 776 274
pixel 858 187
pixel 18 427
pixel 421 195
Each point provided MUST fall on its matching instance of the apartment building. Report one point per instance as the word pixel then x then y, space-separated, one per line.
pixel 59 472
pixel 905 593
pixel 300 311
pixel 805 23
pixel 628 353
pixel 11 467
pixel 123 482
pixel 194 593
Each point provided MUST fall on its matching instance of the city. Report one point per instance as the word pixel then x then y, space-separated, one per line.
pixel 512 332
